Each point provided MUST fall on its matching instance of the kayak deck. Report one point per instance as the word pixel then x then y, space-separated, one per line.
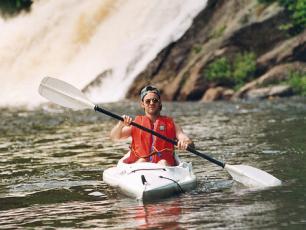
pixel 149 181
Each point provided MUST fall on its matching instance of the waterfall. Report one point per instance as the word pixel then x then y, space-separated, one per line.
pixel 78 40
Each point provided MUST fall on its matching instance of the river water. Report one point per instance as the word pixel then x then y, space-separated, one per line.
pixel 52 160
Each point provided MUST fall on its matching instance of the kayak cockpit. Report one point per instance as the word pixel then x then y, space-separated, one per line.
pixel 147 181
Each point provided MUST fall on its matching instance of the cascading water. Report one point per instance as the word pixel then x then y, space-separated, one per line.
pixel 77 40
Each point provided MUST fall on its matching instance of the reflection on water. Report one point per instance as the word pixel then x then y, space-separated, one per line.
pixel 51 164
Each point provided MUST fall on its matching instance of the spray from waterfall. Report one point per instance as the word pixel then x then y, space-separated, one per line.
pixel 106 42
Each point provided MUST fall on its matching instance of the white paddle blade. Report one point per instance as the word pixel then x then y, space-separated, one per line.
pixel 252 177
pixel 64 94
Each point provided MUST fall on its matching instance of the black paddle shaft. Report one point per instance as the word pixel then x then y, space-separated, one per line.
pixel 174 142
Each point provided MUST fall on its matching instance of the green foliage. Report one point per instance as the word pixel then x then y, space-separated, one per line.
pixel 244 67
pixel 11 7
pixel 234 74
pixel 297 80
pixel 219 70
pixel 296 10
pixel 299 13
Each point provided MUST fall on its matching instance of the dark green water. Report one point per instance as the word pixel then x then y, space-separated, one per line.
pixel 51 163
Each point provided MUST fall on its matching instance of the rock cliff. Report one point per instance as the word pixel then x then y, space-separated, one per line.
pixel 223 29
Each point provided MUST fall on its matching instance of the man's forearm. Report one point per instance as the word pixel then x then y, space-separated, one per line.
pixel 116 133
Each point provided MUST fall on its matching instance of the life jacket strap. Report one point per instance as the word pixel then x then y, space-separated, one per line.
pixel 153 152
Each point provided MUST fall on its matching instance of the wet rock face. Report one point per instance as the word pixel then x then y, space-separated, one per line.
pixel 217 93
pixel 223 28
pixel 98 81
pixel 288 51
pixel 276 74
pixel 268 92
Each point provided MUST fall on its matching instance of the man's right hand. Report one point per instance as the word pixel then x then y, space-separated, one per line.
pixel 122 129
pixel 127 120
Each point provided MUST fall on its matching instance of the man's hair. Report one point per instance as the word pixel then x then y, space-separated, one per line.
pixel 148 89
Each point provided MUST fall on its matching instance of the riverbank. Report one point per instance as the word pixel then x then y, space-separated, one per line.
pixel 234 49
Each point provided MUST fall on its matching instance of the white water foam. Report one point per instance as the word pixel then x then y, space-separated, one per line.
pixel 76 40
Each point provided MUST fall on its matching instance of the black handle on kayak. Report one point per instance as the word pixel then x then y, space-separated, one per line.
pixel 189 148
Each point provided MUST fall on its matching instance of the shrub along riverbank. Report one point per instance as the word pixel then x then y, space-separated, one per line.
pixel 296 11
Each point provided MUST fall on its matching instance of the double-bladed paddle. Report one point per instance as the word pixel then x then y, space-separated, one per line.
pixel 68 96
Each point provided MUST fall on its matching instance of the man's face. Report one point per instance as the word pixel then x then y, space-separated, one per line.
pixel 151 104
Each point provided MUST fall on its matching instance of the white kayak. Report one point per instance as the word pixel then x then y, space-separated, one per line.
pixel 150 181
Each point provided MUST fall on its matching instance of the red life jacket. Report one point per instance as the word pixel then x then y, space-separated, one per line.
pixel 152 148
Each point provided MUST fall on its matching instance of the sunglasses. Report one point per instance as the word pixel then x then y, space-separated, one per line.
pixel 153 100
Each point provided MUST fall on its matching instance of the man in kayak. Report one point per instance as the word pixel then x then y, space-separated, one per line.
pixel 146 147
